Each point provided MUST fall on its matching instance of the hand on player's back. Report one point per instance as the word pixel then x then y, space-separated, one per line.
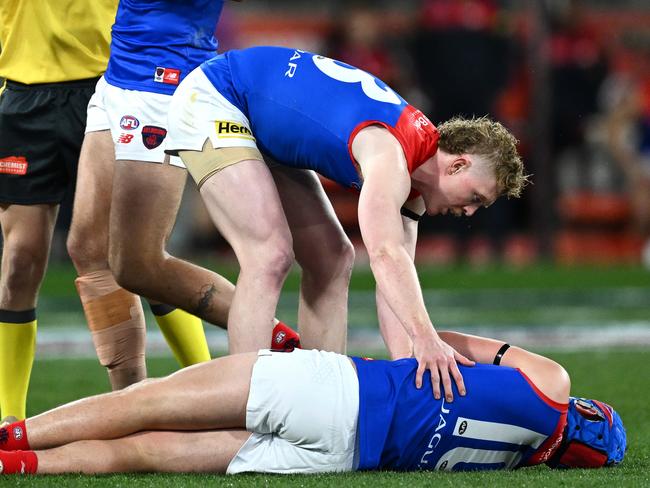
pixel 440 359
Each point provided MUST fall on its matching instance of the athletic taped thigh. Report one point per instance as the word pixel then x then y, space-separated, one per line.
pixel 203 164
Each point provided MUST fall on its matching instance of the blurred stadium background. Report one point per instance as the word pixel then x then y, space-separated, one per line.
pixel 564 270
pixel 570 78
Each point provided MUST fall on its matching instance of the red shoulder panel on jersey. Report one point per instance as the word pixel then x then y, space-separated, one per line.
pixel 414 131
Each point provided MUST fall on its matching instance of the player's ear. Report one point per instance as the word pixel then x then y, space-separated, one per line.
pixel 458 164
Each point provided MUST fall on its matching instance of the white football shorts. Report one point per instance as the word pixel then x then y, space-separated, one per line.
pixel 199 112
pixel 137 121
pixel 302 409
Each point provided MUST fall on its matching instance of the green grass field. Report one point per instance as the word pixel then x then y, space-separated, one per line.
pixel 530 298
pixel 622 380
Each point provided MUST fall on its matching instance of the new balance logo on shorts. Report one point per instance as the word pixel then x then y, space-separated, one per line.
pixel 13 165
pixel 125 138
pixel 228 129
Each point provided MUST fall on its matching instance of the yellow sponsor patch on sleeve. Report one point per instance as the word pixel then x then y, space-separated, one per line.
pixel 227 129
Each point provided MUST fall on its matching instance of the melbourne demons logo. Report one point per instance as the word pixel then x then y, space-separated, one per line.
pixel 129 122
pixel 153 136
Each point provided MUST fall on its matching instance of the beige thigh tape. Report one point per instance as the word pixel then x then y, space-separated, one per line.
pixel 203 164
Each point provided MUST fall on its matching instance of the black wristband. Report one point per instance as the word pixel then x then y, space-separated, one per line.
pixel 500 353
pixel 410 214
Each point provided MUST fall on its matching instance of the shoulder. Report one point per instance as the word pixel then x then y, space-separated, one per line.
pixel 374 137
pixel 375 142
pixel 549 377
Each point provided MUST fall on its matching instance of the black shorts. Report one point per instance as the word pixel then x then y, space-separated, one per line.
pixel 41 131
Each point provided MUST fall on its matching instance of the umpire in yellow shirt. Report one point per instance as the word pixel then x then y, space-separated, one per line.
pixel 53 53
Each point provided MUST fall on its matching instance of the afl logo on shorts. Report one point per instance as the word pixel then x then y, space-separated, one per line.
pixel 18 433
pixel 153 136
pixel 129 122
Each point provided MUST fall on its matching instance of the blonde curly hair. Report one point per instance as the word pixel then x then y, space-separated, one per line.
pixel 491 140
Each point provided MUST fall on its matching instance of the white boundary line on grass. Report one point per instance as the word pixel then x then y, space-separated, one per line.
pixel 76 343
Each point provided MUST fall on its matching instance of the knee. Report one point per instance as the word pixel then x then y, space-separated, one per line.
pixel 271 263
pixel 88 249
pixel 147 451
pixel 279 262
pixel 134 264
pixel 330 262
pixel 23 266
pixel 346 255
pixel 129 272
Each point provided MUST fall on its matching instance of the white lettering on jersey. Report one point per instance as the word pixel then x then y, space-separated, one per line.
pixel 437 436
pixel 354 75
pixel 297 54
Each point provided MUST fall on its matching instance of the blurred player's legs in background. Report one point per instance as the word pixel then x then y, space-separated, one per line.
pixel 114 315
pixel 27 234
pixel 146 198
pixel 325 255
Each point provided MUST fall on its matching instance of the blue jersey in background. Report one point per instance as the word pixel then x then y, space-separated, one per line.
pixel 156 43
pixel 502 422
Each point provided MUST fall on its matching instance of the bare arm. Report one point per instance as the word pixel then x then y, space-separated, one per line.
pixel 395 337
pixel 547 375
pixel 386 187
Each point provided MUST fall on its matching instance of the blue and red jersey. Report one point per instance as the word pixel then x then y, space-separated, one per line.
pixel 156 43
pixel 305 109
pixel 504 421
